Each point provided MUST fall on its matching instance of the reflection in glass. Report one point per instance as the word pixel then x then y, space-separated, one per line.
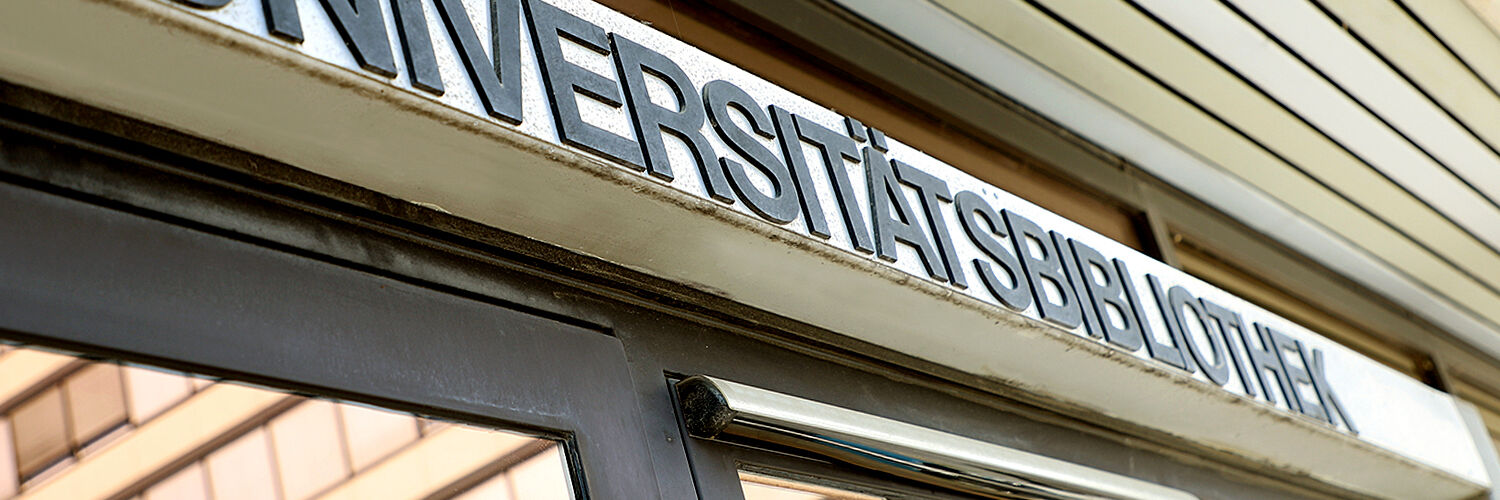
pixel 40 435
pixel 763 487
pixel 243 469
pixel 96 401
pixel 74 429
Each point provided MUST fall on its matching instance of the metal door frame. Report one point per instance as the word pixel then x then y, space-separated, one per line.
pixel 81 274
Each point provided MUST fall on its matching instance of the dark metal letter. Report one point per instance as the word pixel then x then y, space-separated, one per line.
pixel 718 97
pixel 877 139
pixel 283 20
pixel 652 120
pixel 856 129
pixel 933 191
pixel 565 81
pixel 363 29
pixel 421 62
pixel 835 148
pixel 205 4
pixel 791 146
pixel 1217 371
pixel 886 194
pixel 972 209
pixel 1295 376
pixel 1266 359
pixel 1170 354
pixel 1044 269
pixel 1325 391
pixel 1108 293
pixel 1076 277
pixel 497 78
pixel 1227 320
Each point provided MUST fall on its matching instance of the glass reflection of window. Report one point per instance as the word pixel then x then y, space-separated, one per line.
pixel 58 409
pixel 74 429
pixel 764 487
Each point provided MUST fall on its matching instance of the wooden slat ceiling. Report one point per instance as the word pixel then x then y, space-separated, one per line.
pixel 1379 120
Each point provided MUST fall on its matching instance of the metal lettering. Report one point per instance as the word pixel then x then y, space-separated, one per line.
pixel 886 195
pixel 781 207
pixel 1042 269
pixel 566 81
pixel 363 28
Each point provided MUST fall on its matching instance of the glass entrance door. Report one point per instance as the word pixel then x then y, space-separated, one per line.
pixel 322 342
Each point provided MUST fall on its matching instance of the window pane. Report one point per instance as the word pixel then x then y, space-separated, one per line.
pixel 496 488
pixel 274 446
pixel 96 401
pixel 763 487
pixel 40 433
pixel 153 391
pixel 374 434
pixel 242 470
pixel 757 491
pixel 8 475
pixel 188 484
pixel 309 454
pixel 543 477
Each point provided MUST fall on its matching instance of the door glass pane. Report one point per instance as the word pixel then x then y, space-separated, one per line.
pixel 176 436
pixel 243 470
pixel 186 484
pixel 41 431
pixel 374 434
pixel 309 451
pixel 539 476
pixel 153 391
pixel 764 487
pixel 96 401
pixel 8 474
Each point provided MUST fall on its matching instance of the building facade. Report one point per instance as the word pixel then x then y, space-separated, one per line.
pixel 537 249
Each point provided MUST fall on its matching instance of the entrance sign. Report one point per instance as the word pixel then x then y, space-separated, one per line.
pixel 579 75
